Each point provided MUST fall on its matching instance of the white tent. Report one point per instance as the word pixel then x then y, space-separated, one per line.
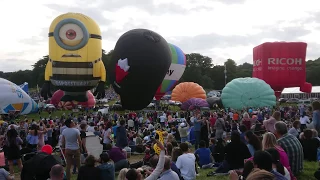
pixel 296 90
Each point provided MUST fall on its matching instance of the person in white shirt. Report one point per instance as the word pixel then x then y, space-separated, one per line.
pixel 295 129
pixel 304 120
pixel 71 141
pixel 91 127
pixel 130 124
pixel 163 119
pixel 186 163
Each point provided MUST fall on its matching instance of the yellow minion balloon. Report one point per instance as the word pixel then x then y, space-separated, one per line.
pixel 75 58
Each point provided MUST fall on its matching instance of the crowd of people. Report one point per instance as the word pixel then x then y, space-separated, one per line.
pixel 247 144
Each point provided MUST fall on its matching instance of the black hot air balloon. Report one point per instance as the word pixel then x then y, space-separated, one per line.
pixel 140 61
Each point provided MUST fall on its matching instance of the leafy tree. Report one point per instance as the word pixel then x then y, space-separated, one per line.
pixel 199 69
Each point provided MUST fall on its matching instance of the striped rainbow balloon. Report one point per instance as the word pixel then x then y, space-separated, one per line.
pixel 174 73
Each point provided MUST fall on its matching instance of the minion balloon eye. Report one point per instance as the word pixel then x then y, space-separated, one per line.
pixel 71 34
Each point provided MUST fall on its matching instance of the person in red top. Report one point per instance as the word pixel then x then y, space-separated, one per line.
pixel 213 119
pixel 235 116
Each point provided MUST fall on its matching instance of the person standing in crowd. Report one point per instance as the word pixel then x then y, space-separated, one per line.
pixel 213 119
pixel 269 124
pixel 205 129
pixel 291 145
pixel 107 138
pixel 183 131
pixel 219 126
pixel 12 149
pixel 316 115
pixel 163 118
pixel 130 124
pixel 304 120
pixel 197 130
pixel 122 140
pixel 71 141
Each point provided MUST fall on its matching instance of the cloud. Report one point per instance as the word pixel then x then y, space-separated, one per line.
pixel 38 39
pixel 214 40
pixel 231 1
pixel 13 64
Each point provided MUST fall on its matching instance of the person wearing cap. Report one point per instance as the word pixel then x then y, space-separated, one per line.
pixel 183 131
pixel 39 166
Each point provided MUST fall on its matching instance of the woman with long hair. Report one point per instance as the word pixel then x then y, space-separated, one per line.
pixel 269 141
pixel 254 143
pixel 276 164
pixel 13 146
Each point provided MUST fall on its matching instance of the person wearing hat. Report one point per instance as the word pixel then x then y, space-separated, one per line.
pixel 39 166
pixel 183 131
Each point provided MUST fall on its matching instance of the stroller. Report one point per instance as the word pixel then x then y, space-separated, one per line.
pixel 56 152
pixel 38 165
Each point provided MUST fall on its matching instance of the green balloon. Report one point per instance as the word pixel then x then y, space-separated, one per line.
pixel 247 92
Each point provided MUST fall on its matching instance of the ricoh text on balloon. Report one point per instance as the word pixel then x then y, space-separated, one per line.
pixel 285 61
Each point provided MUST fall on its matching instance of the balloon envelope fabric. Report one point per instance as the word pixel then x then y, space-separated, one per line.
pixel 56 97
pixel 140 61
pixel 176 70
pixel 247 92
pixel 214 100
pixel 187 90
pixel 194 103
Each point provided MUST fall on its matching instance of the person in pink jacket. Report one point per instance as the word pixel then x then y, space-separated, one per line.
pixel 269 124
pixel 269 141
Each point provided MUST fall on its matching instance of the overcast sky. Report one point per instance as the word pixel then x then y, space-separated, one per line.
pixel 220 29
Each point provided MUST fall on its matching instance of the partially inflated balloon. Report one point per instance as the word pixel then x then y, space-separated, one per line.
pixel 247 92
pixel 139 63
pixel 186 90
pixel 176 70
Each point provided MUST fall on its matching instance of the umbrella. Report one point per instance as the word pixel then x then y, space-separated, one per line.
pixel 194 103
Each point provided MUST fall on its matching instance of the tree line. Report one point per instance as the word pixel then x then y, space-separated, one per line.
pixel 199 69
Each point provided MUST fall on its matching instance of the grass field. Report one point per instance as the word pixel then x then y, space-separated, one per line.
pixel 309 169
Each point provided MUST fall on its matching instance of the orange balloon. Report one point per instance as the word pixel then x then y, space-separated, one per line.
pixel 186 90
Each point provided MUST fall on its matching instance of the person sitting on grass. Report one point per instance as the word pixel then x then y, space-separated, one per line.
pixel 106 168
pixel 89 171
pixel 203 155
pixel 186 163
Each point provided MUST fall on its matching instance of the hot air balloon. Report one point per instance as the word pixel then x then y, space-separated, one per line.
pixel 56 100
pixel 13 98
pixel 194 103
pixel 186 90
pixel 214 101
pixel 281 65
pixel 174 73
pixel 247 92
pixel 140 61
pixel 75 63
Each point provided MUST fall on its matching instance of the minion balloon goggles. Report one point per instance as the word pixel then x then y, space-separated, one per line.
pixel 71 34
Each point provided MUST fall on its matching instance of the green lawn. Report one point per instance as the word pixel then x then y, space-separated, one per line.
pixel 309 169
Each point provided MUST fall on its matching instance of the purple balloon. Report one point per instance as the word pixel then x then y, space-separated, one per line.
pixel 194 103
